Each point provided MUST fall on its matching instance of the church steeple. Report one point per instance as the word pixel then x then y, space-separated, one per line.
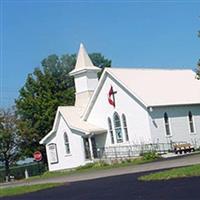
pixel 83 62
pixel 85 77
pixel 83 59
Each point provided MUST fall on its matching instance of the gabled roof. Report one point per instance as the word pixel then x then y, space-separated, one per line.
pixel 154 87
pixel 72 116
pixel 161 87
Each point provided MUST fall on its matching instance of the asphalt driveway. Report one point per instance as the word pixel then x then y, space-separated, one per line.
pixel 119 184
pixel 122 187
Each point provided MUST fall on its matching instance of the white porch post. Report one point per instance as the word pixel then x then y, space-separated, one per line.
pixel 91 149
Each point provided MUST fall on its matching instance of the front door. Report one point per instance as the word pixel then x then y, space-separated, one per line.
pixel 94 147
pixel 87 148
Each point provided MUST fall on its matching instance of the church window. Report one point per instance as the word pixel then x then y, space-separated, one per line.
pixel 110 130
pixel 125 127
pixel 117 125
pixel 191 123
pixel 167 128
pixel 66 140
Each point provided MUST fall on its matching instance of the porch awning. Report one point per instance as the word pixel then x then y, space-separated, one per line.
pixel 72 116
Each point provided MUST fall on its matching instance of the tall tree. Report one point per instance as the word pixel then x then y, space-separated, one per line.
pixel 45 89
pixel 9 139
pixel 100 61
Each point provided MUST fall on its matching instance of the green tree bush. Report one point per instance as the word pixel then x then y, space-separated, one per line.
pixel 9 139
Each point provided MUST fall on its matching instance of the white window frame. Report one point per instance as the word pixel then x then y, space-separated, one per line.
pixel 111 131
pixel 169 125
pixel 67 144
pixel 119 140
pixel 193 122
pixel 125 127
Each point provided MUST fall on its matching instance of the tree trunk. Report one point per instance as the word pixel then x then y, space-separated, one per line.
pixel 7 169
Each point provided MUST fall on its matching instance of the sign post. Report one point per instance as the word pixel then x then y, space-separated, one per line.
pixel 38 157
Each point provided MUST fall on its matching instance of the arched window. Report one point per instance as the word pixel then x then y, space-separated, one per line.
pixel 110 130
pixel 66 140
pixel 117 125
pixel 191 123
pixel 167 128
pixel 125 127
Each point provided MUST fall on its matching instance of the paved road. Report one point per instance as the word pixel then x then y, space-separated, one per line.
pixel 169 163
pixel 122 187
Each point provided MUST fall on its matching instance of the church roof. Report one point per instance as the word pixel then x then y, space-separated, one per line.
pixel 83 62
pixel 160 87
pixel 72 115
pixel 154 87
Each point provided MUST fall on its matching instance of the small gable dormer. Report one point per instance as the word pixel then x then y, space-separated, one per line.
pixel 85 77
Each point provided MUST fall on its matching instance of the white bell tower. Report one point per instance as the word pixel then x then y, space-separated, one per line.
pixel 85 77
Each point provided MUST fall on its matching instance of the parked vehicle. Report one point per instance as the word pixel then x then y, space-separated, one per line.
pixel 183 147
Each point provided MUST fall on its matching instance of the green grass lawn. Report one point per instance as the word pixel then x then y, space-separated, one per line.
pixel 181 172
pixel 11 191
pixel 94 167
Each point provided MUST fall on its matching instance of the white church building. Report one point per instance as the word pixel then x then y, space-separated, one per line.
pixel 125 107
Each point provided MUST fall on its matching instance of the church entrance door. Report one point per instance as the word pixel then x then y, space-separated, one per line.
pixel 94 147
pixel 87 148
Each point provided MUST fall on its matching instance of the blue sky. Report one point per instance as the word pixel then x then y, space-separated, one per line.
pixel 160 34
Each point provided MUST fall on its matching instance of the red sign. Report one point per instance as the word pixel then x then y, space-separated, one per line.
pixel 111 97
pixel 37 156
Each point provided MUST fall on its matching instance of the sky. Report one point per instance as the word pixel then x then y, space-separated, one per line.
pixel 154 34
